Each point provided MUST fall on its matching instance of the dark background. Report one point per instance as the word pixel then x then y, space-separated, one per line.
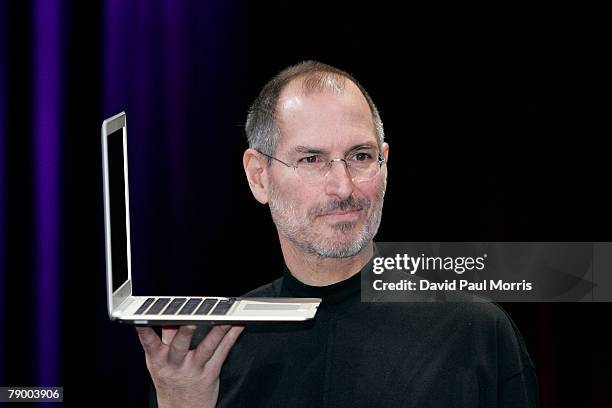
pixel 495 118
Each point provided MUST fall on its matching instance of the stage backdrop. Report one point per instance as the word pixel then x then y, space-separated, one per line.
pixel 494 118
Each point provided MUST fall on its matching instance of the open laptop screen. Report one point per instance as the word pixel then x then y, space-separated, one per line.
pixel 116 188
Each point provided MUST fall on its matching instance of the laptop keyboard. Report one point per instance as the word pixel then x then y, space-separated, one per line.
pixel 222 307
pixel 206 306
pixel 174 306
pixel 186 306
pixel 158 305
pixel 145 306
pixel 190 306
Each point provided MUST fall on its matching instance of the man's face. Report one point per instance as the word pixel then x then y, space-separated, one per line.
pixel 335 216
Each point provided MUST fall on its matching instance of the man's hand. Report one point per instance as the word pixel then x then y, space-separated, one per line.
pixel 183 377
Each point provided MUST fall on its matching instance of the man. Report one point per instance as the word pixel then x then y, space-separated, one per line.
pixel 317 157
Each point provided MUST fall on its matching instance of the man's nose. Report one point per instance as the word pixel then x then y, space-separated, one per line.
pixel 338 180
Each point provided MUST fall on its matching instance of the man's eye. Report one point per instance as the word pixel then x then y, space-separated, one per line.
pixel 309 159
pixel 362 157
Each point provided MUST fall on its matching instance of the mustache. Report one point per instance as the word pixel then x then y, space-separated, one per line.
pixel 348 204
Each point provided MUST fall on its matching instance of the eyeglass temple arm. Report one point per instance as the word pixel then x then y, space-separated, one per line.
pixel 274 158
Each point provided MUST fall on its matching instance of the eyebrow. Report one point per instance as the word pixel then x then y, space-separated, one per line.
pixel 315 150
pixel 307 149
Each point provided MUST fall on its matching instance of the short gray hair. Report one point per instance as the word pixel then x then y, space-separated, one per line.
pixel 262 130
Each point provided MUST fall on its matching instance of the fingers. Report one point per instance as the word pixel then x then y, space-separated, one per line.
pixel 207 347
pixel 218 358
pixel 168 333
pixel 149 339
pixel 179 347
pixel 210 353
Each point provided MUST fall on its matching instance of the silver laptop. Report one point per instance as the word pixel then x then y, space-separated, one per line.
pixel 167 309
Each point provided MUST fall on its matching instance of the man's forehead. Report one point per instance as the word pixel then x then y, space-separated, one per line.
pixel 324 105
pixel 325 117
pixel 294 94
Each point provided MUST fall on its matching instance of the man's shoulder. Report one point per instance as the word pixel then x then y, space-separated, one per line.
pixel 489 318
pixel 271 289
pixel 456 308
pixel 477 307
pixel 479 310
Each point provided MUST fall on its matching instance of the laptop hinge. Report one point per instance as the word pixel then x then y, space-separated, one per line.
pixel 124 305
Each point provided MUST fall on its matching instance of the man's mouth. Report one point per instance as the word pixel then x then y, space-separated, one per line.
pixel 342 216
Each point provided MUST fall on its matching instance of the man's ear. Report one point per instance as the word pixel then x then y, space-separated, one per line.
pixel 255 168
pixel 385 151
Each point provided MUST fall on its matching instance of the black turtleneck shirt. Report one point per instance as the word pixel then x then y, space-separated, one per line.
pixel 355 354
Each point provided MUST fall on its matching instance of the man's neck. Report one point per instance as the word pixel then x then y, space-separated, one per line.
pixel 313 270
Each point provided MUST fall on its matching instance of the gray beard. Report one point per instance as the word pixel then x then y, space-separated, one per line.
pixel 299 233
